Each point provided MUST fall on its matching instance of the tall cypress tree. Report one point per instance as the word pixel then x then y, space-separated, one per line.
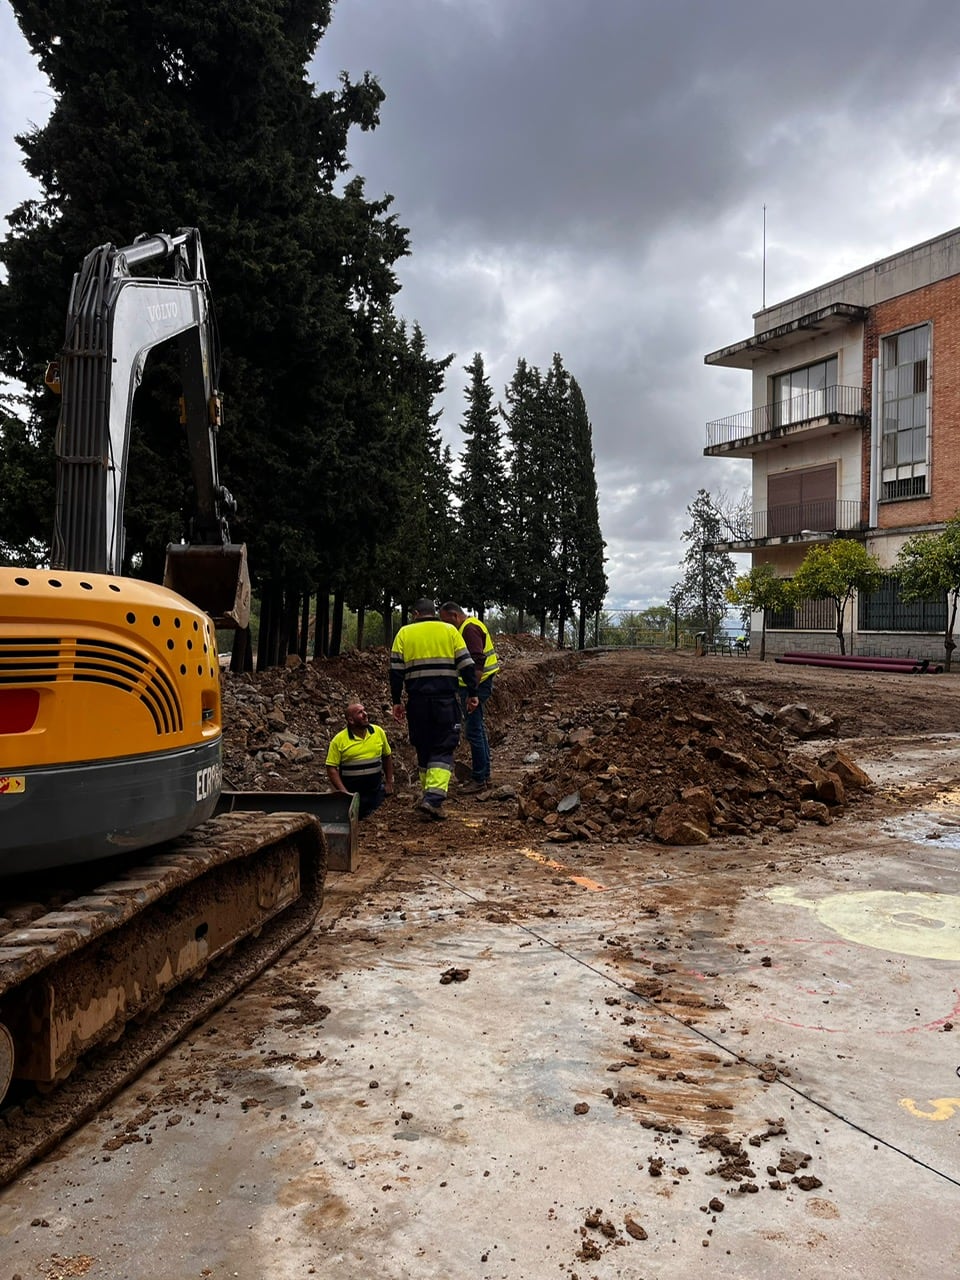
pixel 526 517
pixel 427 379
pixel 588 581
pixel 557 599
pixel 480 486
pixel 555 544
pixel 412 531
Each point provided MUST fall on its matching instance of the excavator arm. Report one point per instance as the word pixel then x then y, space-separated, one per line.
pixel 124 303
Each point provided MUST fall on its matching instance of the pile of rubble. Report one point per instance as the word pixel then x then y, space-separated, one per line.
pixel 683 763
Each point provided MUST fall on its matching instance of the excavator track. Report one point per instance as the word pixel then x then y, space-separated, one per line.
pixel 95 991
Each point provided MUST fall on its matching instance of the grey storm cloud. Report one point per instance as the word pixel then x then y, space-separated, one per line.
pixel 589 177
pixel 547 121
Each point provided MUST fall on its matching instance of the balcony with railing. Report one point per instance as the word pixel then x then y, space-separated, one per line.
pixel 801 522
pixel 811 413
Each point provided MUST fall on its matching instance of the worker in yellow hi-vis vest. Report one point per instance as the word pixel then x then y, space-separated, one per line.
pixel 428 660
pixel 480 643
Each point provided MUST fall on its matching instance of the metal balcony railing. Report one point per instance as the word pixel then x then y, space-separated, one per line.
pixel 821 516
pixel 798 411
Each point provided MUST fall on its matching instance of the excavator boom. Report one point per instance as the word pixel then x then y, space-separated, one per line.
pixel 117 314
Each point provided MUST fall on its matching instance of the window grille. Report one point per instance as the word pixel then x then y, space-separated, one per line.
pixel 812 615
pixel 915 487
pixel 883 610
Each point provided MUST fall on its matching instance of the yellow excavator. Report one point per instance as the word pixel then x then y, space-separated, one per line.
pixel 110 736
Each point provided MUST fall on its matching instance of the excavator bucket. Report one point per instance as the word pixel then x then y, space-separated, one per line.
pixel 216 579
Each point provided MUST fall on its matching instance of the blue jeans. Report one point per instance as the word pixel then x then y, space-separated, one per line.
pixel 475 732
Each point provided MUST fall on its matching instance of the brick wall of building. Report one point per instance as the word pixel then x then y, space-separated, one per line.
pixel 939 305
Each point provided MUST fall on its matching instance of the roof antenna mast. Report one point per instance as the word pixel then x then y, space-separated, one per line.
pixel 763 289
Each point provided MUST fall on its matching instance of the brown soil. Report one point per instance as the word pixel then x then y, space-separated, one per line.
pixel 613 739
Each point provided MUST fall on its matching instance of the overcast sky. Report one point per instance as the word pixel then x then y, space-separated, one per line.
pixel 589 177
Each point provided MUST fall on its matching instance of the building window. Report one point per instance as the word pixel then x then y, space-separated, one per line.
pixel 903 460
pixel 803 394
pixel 883 610
pixel 811 615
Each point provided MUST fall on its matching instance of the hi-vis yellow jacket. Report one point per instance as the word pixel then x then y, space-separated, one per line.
pixel 491 663
pixel 430 657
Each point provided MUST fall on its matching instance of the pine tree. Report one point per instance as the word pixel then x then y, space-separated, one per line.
pixel 708 574
pixel 480 487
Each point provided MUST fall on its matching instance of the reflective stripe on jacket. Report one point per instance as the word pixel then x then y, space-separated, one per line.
pixel 430 657
pixel 491 663
pixel 359 757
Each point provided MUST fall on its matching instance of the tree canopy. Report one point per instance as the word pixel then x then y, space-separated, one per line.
pixel 708 573
pixel 928 568
pixel 835 571
pixel 760 589
pixel 167 116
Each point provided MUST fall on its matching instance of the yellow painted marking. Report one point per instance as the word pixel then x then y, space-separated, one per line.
pixel 913 924
pixel 585 881
pixel 943 1108
pixel 12 785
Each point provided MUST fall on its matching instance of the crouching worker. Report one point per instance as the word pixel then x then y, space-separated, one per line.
pixel 359 761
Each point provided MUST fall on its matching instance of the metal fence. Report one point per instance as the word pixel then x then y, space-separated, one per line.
pixel 624 629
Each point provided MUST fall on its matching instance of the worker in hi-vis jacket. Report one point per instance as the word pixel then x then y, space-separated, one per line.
pixel 428 659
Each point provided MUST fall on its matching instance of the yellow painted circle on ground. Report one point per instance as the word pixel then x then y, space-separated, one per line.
pixel 912 924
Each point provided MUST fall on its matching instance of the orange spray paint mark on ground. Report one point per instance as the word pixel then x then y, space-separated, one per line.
pixel 584 881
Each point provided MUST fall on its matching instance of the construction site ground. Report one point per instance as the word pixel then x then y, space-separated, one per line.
pixel 554 1045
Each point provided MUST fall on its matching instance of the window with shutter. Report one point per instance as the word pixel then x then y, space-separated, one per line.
pixel 799 500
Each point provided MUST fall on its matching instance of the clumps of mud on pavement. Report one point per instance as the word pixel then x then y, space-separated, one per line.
pixel 732 1160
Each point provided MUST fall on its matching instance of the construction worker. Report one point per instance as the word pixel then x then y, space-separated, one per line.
pixel 359 760
pixel 428 659
pixel 480 644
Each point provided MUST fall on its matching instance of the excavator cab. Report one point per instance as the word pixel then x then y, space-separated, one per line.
pixel 215 578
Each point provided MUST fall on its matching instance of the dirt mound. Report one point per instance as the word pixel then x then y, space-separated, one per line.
pixel 680 763
pixel 676 760
pixel 513 646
